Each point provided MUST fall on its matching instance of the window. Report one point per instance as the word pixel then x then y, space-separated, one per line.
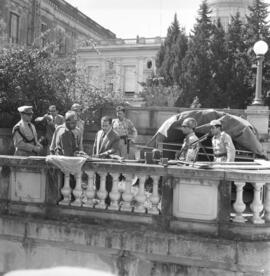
pixel 129 79
pixel 14 28
pixel 43 29
pixel 149 64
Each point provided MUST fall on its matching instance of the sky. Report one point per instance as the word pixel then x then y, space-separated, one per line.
pixel 146 18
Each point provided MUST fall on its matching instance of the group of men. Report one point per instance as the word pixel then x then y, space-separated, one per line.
pixel 223 147
pixel 64 135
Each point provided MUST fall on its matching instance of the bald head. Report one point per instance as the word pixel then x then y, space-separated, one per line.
pixel 71 119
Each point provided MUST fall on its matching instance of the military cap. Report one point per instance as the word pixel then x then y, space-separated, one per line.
pixel 120 108
pixel 189 122
pixel 26 109
pixel 76 107
pixel 215 123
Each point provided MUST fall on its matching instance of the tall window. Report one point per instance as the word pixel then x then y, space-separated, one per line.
pixel 43 29
pixel 14 28
pixel 129 79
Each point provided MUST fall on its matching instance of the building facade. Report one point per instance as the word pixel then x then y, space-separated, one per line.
pixel 224 9
pixel 119 65
pixel 43 22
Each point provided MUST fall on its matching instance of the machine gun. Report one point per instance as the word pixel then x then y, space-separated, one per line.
pixel 200 140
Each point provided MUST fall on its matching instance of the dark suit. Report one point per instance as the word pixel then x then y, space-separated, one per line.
pixel 106 143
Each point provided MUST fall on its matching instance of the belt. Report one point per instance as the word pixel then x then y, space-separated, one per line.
pixel 220 154
pixel 125 138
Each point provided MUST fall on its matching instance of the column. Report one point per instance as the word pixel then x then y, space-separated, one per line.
pixel 239 205
pixel 90 192
pixel 267 202
pixel 77 192
pixel 154 198
pixel 102 193
pixel 140 197
pixel 127 196
pixel 114 194
pixel 66 190
pixel 256 206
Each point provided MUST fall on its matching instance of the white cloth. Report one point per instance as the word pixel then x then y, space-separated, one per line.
pixel 72 165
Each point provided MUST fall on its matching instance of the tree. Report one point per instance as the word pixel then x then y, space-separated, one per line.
pixel 172 51
pixel 219 66
pixel 197 79
pixel 31 76
pixel 258 28
pixel 239 89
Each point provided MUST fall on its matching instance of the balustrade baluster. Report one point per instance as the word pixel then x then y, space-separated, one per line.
pixel 77 192
pixel 154 198
pixel 267 203
pixel 140 197
pixel 102 193
pixel 239 206
pixel 256 206
pixel 114 194
pixel 66 190
pixel 90 191
pixel 127 195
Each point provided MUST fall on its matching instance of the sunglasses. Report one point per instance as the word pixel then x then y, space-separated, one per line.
pixel 28 114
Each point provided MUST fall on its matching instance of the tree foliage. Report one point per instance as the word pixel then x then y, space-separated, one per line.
pixel 217 67
pixel 32 77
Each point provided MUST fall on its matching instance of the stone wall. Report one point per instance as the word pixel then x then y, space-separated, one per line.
pixel 37 231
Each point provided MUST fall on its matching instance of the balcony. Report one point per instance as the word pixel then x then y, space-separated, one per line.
pixel 177 199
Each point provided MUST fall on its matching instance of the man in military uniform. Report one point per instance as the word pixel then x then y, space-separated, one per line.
pixel 223 147
pixel 24 134
pixel 190 148
pixel 127 132
pixel 67 137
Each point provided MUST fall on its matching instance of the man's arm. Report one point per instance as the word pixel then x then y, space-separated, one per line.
pixel 114 148
pixel 22 145
pixel 230 148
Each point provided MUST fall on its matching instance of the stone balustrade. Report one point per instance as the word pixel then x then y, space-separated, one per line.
pixel 175 198
pixel 117 191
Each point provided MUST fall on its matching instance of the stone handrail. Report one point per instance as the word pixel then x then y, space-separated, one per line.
pixel 174 198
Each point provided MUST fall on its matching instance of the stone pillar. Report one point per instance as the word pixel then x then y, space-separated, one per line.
pixel 259 117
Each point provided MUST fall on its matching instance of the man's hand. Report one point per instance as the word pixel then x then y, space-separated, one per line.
pixel 38 148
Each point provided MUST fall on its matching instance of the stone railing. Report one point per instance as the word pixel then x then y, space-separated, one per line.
pixel 175 198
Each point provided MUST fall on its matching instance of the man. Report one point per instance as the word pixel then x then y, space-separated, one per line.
pixel 190 148
pixel 67 137
pixel 25 135
pixel 50 122
pixel 106 140
pixel 223 147
pixel 127 132
pixel 57 119
pixel 80 123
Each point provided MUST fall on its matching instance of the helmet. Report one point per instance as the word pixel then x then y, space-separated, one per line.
pixel 215 123
pixel 189 122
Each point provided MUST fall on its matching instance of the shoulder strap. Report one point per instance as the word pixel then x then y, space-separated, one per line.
pixel 17 129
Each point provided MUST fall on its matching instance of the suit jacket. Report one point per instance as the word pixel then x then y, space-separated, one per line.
pixel 108 144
